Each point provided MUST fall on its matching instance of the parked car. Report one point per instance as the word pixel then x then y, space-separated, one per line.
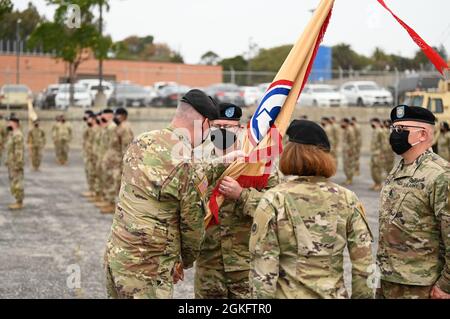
pixel 47 99
pixel 170 95
pixel 262 89
pixel 129 95
pixel 366 93
pixel 93 85
pixel 251 94
pixel 226 92
pixel 321 95
pixel 15 95
pixel 81 96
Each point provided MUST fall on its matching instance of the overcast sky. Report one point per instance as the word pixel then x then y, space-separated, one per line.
pixel 225 26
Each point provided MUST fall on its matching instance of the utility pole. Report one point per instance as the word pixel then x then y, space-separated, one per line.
pixel 18 51
pixel 100 98
pixel 251 51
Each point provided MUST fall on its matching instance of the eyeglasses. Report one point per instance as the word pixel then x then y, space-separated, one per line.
pixel 402 128
pixel 225 126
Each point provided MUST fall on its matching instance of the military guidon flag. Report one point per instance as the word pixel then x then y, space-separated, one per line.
pixel 262 143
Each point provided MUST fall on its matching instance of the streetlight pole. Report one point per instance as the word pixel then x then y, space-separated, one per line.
pixel 18 51
pixel 100 61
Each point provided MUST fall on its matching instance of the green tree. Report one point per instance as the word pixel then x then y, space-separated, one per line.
pixel 343 56
pixel 29 17
pixel 71 43
pixel 237 63
pixel 5 7
pixel 210 58
pixel 270 59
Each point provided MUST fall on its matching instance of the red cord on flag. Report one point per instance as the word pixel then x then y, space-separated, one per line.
pixel 431 54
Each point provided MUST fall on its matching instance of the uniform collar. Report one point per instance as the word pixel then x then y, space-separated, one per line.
pixel 409 170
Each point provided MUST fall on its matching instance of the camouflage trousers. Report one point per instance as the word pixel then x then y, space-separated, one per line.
pixel 90 173
pixel 16 183
pixel 348 160
pixel 376 169
pixel 36 156
pixel 98 180
pixel 218 284
pixel 111 168
pixel 391 290
pixel 357 161
pixel 127 286
pixel 1 153
pixel 62 151
pixel 389 163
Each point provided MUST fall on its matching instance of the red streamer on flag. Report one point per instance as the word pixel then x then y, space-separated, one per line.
pixel 431 54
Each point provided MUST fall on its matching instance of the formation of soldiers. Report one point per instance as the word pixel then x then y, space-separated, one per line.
pixel 285 240
pixel 105 140
pixel 349 135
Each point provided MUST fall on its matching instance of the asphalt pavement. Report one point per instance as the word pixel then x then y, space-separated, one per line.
pixel 54 247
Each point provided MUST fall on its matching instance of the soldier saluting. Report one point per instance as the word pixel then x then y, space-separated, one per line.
pixel 414 243
pixel 159 216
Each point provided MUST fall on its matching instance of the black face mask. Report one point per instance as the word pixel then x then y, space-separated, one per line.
pixel 89 124
pixel 373 126
pixel 104 120
pixel 117 121
pixel 85 119
pixel 97 121
pixel 9 128
pixel 399 142
pixel 222 138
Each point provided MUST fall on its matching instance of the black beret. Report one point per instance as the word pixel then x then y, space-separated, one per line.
pixel 99 113
pixel 412 113
pixel 308 132
pixel 375 119
pixel 121 111
pixel 92 115
pixel 107 111
pixel 325 118
pixel 345 119
pixel 445 125
pixel 202 103
pixel 88 112
pixel 229 111
pixel 13 118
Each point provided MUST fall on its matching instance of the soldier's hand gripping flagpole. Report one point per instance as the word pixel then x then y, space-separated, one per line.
pixel 268 124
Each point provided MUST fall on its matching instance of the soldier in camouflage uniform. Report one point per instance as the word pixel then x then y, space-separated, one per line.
pixel 3 136
pixel 62 135
pixel 348 150
pixel 158 224
pixel 36 141
pixel 302 227
pixel 99 149
pixel 358 144
pixel 327 125
pixel 90 154
pixel 124 132
pixel 414 242
pixel 87 148
pixel 376 154
pixel 444 141
pixel 15 161
pixel 222 268
pixel 56 142
pixel 109 162
pixel 335 129
pixel 117 137
pixel 388 153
